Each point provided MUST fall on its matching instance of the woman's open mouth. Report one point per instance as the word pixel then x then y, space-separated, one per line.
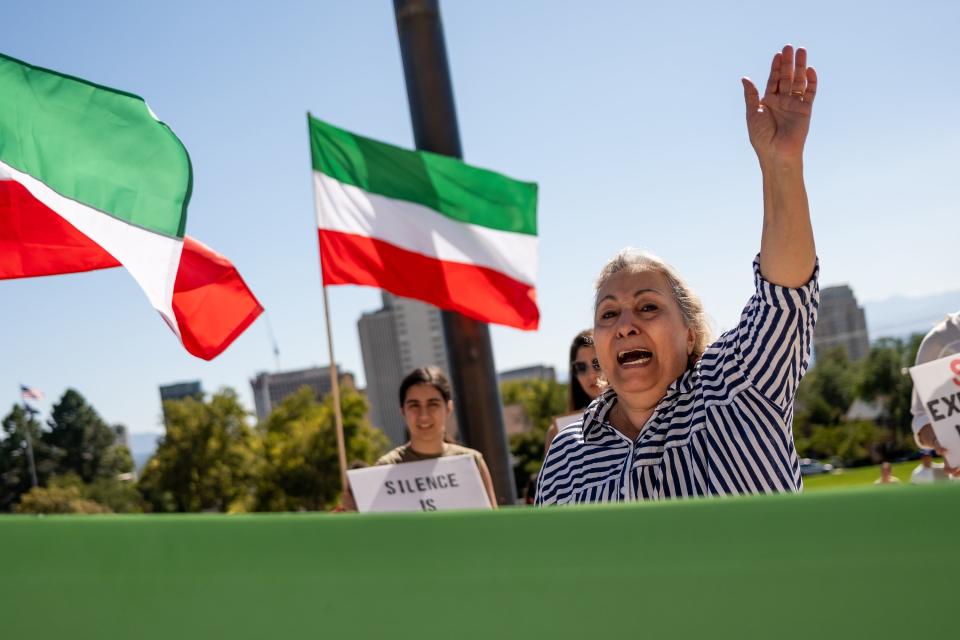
pixel 634 358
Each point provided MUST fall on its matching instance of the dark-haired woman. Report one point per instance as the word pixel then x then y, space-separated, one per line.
pixel 426 401
pixel 585 382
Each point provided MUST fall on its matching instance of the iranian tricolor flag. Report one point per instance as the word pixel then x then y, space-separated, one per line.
pixel 425 226
pixel 90 179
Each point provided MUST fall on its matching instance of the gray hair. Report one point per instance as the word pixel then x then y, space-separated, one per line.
pixel 632 260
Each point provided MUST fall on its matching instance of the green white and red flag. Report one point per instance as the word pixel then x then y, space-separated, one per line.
pixel 425 226
pixel 91 179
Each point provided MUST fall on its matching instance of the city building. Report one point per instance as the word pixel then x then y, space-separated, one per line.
pixel 378 342
pixel 533 372
pixel 841 323
pixel 179 391
pixel 401 336
pixel 269 389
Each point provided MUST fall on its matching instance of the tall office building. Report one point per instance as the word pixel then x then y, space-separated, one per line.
pixel 269 389
pixel 403 335
pixel 383 369
pixel 532 372
pixel 841 323
pixel 179 391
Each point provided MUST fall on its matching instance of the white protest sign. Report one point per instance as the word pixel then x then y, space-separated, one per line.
pixel 938 385
pixel 428 485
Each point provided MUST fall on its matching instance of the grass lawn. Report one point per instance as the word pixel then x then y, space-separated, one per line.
pixel 860 476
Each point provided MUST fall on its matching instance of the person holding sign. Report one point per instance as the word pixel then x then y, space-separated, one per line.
pixel 684 417
pixel 426 401
pixel 942 341
pixel 585 382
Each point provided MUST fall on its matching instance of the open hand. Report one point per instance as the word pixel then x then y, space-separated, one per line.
pixel 778 123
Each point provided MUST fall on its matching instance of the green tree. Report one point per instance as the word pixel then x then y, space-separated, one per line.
pixel 826 391
pixel 300 467
pixel 119 496
pixel 207 459
pixel 850 444
pixel 85 444
pixel 883 375
pixel 107 495
pixel 829 388
pixel 58 499
pixel 542 400
pixel 15 478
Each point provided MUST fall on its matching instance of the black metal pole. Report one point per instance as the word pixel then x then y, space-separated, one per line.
pixel 434 117
pixel 29 440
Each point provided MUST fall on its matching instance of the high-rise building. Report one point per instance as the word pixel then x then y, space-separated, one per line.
pixel 533 372
pixel 269 389
pixel 179 391
pixel 403 335
pixel 841 323
pixel 383 370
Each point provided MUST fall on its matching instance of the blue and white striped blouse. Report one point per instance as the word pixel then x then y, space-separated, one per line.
pixel 724 427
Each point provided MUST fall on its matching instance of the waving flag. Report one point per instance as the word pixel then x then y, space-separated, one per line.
pixel 425 226
pixel 30 393
pixel 90 179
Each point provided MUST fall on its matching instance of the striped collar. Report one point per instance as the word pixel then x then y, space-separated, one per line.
pixel 595 418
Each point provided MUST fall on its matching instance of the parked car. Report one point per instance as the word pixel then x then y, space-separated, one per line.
pixel 811 467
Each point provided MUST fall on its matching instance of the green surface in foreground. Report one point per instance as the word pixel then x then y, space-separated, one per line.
pixel 843 563
pixel 858 477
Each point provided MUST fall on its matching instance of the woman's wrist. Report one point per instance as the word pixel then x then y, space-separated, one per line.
pixel 777 166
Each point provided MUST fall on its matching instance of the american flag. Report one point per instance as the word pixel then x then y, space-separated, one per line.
pixel 30 393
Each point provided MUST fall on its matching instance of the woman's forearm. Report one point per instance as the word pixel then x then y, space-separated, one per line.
pixel 787 251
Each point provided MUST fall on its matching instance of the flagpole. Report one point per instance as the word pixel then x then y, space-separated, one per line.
pixel 335 386
pixel 26 436
pixel 334 377
pixel 434 118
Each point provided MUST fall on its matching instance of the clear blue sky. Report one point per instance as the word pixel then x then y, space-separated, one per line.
pixel 628 115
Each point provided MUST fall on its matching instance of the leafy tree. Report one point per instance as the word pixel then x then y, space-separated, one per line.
pixel 850 444
pixel 542 400
pixel 119 496
pixel 883 375
pixel 15 478
pixel 880 372
pixel 829 388
pixel 207 459
pixel 85 444
pixel 58 499
pixel 826 391
pixel 300 467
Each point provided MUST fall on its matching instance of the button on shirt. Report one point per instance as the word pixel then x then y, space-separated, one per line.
pixel 724 427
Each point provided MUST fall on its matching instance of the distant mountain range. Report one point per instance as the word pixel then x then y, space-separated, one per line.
pixel 901 316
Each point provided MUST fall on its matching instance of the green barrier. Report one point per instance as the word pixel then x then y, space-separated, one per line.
pixel 878 563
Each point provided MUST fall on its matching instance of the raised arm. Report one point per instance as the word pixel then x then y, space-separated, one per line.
pixel 778 124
